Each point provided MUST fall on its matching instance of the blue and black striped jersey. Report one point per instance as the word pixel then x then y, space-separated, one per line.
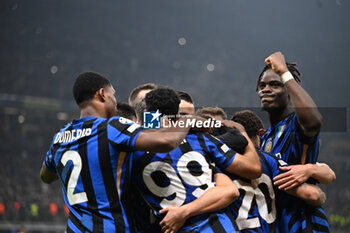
pixel 296 216
pixel 287 141
pixel 182 176
pixel 91 157
pixel 255 209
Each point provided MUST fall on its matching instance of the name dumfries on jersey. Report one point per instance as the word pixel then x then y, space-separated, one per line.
pixel 71 135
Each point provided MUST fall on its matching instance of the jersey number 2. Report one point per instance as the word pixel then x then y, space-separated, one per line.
pixel 73 198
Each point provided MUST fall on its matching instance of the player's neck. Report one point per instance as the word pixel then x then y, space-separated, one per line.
pixel 277 115
pixel 90 110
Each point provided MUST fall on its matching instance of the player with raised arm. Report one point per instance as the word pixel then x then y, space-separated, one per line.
pixel 293 135
pixel 91 156
pixel 255 210
pixel 178 186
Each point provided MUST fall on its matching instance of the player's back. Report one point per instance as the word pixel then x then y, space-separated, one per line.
pixel 92 160
pixel 255 209
pixel 179 177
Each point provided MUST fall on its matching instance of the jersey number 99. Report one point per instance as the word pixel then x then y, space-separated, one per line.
pixel 184 174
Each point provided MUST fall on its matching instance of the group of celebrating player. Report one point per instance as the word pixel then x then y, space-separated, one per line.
pixel 121 177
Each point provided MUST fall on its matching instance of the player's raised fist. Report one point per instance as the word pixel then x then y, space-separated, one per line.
pixel 277 63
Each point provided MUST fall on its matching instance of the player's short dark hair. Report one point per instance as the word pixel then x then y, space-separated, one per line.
pixel 250 121
pixel 292 67
pixel 210 111
pixel 163 99
pixel 136 91
pixel 140 107
pixel 87 84
pixel 184 96
pixel 125 110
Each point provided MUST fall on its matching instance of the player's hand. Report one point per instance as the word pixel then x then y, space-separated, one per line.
pixel 292 177
pixel 233 125
pixel 173 220
pixel 277 63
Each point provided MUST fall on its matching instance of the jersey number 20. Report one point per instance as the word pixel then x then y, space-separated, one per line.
pixel 252 190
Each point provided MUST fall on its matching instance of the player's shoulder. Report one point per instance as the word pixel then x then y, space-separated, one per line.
pixel 198 135
pixel 122 123
pixel 140 154
pixel 60 132
pixel 119 119
pixel 209 137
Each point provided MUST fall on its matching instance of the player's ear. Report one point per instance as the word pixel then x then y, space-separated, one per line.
pixel 101 94
pixel 261 132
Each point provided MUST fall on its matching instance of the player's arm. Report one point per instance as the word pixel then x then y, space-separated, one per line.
pixel 214 199
pixel 46 176
pixel 306 110
pixel 233 137
pixel 312 194
pixel 246 165
pixel 165 139
pixel 295 175
pixel 161 140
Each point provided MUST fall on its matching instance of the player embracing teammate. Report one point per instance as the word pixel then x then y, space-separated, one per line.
pixel 120 177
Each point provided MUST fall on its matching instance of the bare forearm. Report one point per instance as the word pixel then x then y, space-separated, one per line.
pixel 212 200
pixel 323 173
pixel 312 194
pixel 161 140
pixel 306 110
pixel 251 153
pixel 247 165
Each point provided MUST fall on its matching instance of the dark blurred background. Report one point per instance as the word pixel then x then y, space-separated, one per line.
pixel 214 50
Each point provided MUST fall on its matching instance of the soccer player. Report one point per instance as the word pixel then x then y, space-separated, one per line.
pixel 186 105
pixel 180 184
pixel 258 196
pixel 126 111
pixel 139 93
pixel 216 113
pixel 293 135
pixel 91 157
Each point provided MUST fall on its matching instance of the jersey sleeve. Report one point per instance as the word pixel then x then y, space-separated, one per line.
pixel 220 153
pixel 216 170
pixel 271 164
pixel 123 132
pixel 234 139
pixel 49 160
pixel 300 133
pixel 308 146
